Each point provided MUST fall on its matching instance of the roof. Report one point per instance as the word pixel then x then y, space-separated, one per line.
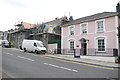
pixel 56 22
pixel 15 31
pixel 25 25
pixel 91 17
pixel 45 33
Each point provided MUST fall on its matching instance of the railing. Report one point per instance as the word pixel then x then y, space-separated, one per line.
pixel 91 52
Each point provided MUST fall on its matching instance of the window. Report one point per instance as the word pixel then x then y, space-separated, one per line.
pixel 71 44
pixel 83 28
pixel 71 30
pixel 100 44
pixel 100 26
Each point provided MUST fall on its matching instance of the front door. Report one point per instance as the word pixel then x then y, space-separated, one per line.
pixel 84 48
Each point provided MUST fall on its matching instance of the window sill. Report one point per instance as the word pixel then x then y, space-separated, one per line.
pixel 101 51
pixel 84 34
pixel 101 32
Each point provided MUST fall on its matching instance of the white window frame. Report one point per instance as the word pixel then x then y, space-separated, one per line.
pixel 69 29
pixel 71 39
pixel 96 42
pixel 72 46
pixel 96 25
pixel 81 28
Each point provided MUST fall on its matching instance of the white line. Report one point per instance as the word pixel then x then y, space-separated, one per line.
pixel 61 67
pixel 9 53
pixel 26 58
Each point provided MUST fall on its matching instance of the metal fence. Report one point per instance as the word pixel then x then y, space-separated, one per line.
pixel 92 52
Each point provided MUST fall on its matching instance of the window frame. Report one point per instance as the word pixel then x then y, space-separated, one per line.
pixel 73 44
pixel 97 45
pixel 96 24
pixel 83 28
pixel 68 43
pixel 69 29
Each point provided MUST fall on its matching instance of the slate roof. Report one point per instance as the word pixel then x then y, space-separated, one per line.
pixel 91 17
pixel 56 22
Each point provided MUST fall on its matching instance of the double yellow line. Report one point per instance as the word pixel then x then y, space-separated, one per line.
pixel 81 63
pixel 74 62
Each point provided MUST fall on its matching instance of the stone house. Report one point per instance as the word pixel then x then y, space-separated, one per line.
pixel 16 36
pixel 49 33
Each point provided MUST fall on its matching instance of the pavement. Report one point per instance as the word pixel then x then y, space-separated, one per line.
pixel 86 61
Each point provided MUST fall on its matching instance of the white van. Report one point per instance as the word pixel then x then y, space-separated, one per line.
pixel 33 46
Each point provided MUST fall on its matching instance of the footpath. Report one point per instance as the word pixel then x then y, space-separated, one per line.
pixel 86 61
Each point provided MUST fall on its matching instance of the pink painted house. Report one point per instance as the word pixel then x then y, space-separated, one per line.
pixel 91 35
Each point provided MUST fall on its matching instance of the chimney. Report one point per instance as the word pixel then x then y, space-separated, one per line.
pixel 118 7
pixel 56 18
pixel 70 18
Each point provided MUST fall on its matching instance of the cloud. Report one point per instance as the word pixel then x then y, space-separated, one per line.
pixel 15 3
pixel 34 11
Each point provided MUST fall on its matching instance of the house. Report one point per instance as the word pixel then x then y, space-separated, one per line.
pixel 49 33
pixel 92 35
pixel 16 36
pixel 118 10
pixel 1 35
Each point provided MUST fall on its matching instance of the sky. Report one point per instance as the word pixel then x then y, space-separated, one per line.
pixel 38 11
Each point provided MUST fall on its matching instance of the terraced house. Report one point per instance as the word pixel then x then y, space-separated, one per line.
pixel 92 35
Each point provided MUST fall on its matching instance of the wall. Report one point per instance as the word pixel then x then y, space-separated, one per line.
pixel 51 48
pixel 1 35
pixel 110 34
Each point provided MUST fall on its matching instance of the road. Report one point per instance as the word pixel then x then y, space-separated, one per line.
pixel 19 64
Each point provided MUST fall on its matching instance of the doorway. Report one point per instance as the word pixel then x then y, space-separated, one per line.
pixel 84 48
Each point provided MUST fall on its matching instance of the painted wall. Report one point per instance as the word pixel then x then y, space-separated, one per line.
pixel 110 34
pixel 51 48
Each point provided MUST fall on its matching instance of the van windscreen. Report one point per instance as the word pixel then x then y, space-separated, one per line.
pixel 40 45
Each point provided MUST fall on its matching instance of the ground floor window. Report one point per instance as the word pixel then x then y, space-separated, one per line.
pixel 71 42
pixel 100 44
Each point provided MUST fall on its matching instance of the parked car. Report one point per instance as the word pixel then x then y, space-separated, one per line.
pixel 33 46
pixel 5 43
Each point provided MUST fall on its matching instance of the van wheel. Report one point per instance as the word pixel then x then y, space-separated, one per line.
pixel 25 50
pixel 36 51
pixel 43 53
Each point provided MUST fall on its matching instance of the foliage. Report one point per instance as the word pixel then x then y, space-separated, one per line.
pixel 119 31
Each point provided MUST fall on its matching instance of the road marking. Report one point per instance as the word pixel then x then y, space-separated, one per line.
pixel 61 67
pixel 87 64
pixel 75 62
pixel 9 53
pixel 84 64
pixel 26 58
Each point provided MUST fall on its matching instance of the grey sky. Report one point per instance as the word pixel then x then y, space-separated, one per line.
pixel 36 11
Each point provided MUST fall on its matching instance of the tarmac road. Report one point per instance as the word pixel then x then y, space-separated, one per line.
pixel 19 64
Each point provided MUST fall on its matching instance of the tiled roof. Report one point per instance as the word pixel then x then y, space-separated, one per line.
pixel 92 17
pixel 27 25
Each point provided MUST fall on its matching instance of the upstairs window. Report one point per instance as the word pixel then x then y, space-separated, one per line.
pixel 71 29
pixel 83 28
pixel 100 26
